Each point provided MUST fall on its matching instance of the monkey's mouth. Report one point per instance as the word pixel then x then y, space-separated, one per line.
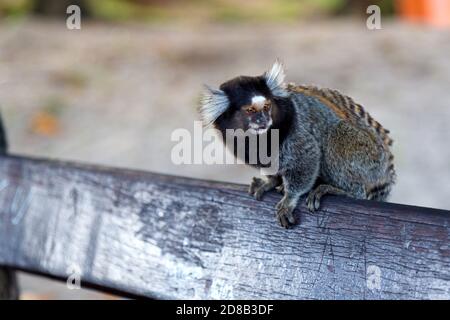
pixel 259 129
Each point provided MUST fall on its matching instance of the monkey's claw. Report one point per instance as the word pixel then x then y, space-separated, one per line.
pixel 313 200
pixel 257 188
pixel 280 188
pixel 285 214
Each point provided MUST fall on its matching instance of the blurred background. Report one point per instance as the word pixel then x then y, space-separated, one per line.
pixel 112 92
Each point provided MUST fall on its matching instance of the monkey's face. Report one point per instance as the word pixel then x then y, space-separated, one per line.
pixel 247 103
pixel 257 116
pixel 250 105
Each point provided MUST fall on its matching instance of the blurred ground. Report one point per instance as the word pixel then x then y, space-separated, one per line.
pixel 112 94
pixel 37 288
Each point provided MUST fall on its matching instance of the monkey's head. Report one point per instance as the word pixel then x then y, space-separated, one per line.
pixel 247 103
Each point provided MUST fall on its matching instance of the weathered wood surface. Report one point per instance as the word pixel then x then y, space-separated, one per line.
pixel 168 237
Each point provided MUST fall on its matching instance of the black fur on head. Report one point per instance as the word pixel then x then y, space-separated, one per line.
pixel 247 103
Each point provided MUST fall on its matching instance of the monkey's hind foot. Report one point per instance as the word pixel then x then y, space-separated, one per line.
pixel 285 212
pixel 315 196
pixel 259 186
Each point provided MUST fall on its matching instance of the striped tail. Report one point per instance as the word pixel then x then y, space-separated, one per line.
pixel 381 191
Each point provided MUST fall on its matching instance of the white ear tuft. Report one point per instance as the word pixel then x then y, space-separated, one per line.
pixel 275 79
pixel 214 103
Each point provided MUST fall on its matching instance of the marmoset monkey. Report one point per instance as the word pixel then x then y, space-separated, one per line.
pixel 328 144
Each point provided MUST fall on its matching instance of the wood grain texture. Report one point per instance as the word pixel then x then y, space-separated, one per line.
pixel 163 237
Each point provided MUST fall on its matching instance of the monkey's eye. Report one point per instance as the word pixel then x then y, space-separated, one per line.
pixel 250 110
pixel 267 106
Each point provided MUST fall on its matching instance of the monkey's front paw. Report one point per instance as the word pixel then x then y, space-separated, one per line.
pixel 280 188
pixel 257 188
pixel 313 200
pixel 285 214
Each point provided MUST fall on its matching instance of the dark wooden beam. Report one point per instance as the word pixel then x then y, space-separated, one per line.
pixel 8 285
pixel 163 237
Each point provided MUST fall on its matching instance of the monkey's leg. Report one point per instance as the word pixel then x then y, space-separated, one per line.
pixel 259 186
pixel 285 209
pixel 295 184
pixel 314 196
pixel 300 163
pixel 353 160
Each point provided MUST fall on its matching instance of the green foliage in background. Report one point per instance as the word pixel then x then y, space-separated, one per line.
pixel 387 6
pixel 14 8
pixel 212 10
pixel 205 10
pixel 123 10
